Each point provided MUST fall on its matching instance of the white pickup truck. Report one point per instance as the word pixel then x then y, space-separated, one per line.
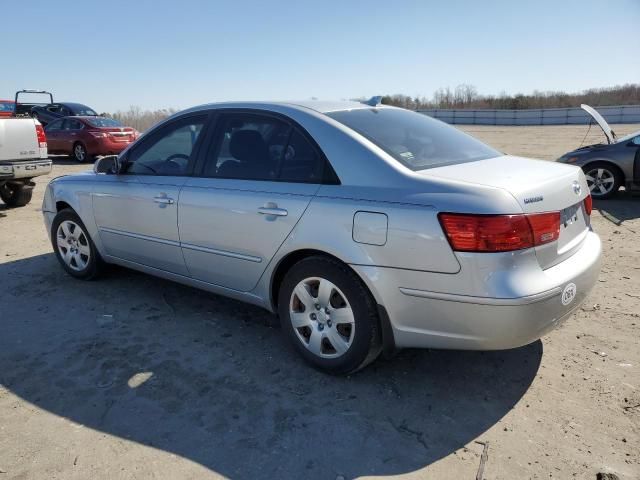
pixel 23 156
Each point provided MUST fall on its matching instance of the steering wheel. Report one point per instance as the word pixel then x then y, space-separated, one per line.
pixel 172 159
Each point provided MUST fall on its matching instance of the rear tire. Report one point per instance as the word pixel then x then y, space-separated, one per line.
pixel 329 315
pixel 73 246
pixel 603 179
pixel 16 195
pixel 79 153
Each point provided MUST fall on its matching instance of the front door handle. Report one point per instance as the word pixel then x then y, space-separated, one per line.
pixel 278 212
pixel 164 199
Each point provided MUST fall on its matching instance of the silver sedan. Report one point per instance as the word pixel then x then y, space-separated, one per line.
pixel 365 227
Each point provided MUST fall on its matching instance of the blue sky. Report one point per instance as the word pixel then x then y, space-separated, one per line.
pixel 114 54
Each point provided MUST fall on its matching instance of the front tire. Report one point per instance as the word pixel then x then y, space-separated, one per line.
pixel 73 246
pixel 603 179
pixel 329 315
pixel 16 195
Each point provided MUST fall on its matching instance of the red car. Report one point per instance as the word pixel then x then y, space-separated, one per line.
pixel 6 108
pixel 85 137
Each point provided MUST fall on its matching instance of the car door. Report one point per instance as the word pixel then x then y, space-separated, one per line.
pixel 136 210
pixel 53 132
pixel 240 206
pixel 72 130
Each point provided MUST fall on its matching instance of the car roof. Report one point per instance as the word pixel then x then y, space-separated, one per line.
pixel 7 101
pixel 88 117
pixel 321 106
pixel 73 104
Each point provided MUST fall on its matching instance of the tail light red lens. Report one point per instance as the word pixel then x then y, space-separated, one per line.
pixel 499 233
pixel 588 205
pixel 98 134
pixel 486 233
pixel 42 138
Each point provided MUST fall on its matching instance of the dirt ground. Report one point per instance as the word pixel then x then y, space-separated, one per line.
pixel 136 377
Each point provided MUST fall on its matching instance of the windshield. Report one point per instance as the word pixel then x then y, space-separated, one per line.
pixel 6 106
pixel 82 110
pixel 103 122
pixel 415 140
pixel 626 138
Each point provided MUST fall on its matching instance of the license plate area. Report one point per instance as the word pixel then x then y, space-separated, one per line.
pixel 572 224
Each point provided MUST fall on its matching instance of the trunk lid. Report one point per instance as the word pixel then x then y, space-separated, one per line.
pixel 606 129
pixel 119 134
pixel 538 186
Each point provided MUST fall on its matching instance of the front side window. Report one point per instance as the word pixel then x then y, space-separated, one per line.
pixel 413 139
pixel 168 151
pixel 248 147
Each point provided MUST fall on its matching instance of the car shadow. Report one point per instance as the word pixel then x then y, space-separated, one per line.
pixel 212 380
pixel 625 205
pixel 66 160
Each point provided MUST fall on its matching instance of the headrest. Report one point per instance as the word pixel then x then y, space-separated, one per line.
pixel 247 145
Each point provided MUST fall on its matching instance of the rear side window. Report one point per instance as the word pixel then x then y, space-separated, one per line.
pixel 73 125
pixel 259 147
pixel 248 147
pixel 168 151
pixel 300 162
pixel 413 139
pixel 54 126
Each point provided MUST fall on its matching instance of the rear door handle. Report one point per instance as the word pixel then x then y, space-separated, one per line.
pixel 278 212
pixel 165 200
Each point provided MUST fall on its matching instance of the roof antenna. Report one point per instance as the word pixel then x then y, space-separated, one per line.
pixel 374 101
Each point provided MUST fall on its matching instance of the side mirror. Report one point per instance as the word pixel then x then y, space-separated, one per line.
pixel 108 165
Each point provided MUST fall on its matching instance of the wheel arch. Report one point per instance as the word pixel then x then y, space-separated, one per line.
pixel 610 162
pixel 61 205
pixel 293 257
pixel 288 261
pixel 75 196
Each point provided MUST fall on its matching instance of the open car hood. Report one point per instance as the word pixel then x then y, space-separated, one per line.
pixel 606 129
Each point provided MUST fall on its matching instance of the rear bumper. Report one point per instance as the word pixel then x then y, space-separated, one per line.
pixel 24 169
pixel 425 315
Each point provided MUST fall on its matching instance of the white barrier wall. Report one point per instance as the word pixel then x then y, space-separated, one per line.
pixel 543 116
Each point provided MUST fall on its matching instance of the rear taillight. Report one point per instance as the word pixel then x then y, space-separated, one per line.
pixel 98 134
pixel 588 205
pixel 545 227
pixel 499 233
pixel 42 138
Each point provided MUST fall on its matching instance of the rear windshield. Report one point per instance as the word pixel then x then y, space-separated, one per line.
pixel 6 107
pixel 103 122
pixel 415 140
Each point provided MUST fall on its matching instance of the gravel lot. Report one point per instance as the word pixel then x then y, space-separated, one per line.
pixel 136 377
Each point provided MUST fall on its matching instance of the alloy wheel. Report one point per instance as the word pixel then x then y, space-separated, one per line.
pixel 600 181
pixel 322 317
pixel 73 245
pixel 79 152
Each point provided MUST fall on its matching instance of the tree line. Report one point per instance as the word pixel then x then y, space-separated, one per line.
pixel 467 96
pixel 462 96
